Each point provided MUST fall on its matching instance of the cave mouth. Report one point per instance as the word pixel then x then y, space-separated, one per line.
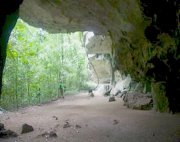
pixel 133 27
pixel 39 62
pixel 143 45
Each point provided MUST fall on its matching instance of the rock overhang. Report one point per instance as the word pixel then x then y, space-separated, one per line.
pixel 99 16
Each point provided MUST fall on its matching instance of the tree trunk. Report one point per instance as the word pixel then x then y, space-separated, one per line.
pixel 16 84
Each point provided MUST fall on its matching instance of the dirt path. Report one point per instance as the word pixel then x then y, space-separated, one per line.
pixel 92 120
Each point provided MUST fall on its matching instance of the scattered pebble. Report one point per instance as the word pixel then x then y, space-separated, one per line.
pixel 115 122
pixel 78 126
pixel 67 125
pixel 55 117
pixel 51 134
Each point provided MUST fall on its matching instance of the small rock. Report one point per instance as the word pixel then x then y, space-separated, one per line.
pixel 55 117
pixel 7 134
pixel 52 134
pixel 78 126
pixel 26 128
pixel 67 125
pixel 45 134
pixel 112 99
pixel 1 126
pixel 115 122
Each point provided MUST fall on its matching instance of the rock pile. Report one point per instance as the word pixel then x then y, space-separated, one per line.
pixel 6 133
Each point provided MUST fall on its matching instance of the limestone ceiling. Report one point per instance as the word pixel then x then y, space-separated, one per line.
pixel 99 16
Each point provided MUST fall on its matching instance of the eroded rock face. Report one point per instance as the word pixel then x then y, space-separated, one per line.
pixel 99 44
pixel 100 16
pixel 122 20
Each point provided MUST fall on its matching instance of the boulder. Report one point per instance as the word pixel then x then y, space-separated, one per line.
pixel 26 128
pixel 112 99
pixel 138 101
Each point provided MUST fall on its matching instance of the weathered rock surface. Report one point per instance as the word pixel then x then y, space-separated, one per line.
pixel 102 67
pixel 99 44
pixel 1 126
pixel 100 16
pixel 121 86
pixel 138 101
pixel 27 128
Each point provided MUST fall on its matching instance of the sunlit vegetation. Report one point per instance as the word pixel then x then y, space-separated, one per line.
pixel 38 62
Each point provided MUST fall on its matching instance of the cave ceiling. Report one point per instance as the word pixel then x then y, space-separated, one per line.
pixel 99 16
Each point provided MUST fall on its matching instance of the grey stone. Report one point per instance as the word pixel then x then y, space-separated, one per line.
pixel 138 101
pixel 52 134
pixel 1 126
pixel 7 134
pixel 112 99
pixel 27 128
pixel 78 126
pixel 67 125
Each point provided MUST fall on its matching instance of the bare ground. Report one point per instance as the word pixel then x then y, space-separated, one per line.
pixel 92 120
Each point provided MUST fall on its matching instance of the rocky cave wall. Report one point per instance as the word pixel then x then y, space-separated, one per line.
pixel 145 36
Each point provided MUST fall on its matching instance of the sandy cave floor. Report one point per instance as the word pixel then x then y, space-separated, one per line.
pixel 92 120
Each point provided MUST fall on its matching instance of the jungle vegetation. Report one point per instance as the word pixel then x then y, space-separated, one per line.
pixel 38 62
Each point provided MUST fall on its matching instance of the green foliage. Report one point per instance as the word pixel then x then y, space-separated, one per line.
pixel 161 101
pixel 37 61
pixel 133 52
pixel 100 2
pixel 114 3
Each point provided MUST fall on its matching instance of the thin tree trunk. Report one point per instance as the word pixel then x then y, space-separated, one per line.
pixel 16 84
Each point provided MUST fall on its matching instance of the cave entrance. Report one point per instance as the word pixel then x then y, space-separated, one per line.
pixel 38 63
